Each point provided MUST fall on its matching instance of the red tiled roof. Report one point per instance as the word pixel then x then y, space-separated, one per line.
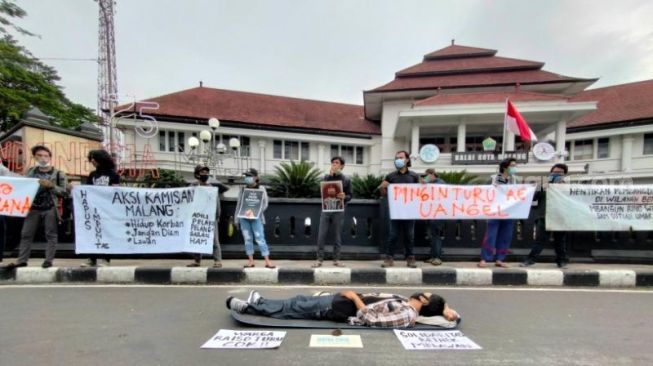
pixel 476 79
pixel 489 97
pixel 454 51
pixel 618 103
pixel 469 65
pixel 263 109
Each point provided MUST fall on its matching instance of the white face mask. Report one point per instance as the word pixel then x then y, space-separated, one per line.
pixel 43 163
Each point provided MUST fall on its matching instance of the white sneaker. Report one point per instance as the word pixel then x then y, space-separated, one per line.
pixel 236 304
pixel 254 297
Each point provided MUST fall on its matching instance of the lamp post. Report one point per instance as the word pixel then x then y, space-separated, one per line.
pixel 213 152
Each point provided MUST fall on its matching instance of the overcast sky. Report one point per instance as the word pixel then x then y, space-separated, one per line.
pixel 330 50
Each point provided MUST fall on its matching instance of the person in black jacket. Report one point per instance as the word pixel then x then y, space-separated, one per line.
pixel 103 175
pixel 401 175
pixel 556 176
pixel 333 220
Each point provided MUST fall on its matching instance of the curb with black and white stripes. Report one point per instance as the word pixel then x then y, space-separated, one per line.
pixel 610 278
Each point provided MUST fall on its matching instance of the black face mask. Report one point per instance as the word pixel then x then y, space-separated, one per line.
pixel 203 178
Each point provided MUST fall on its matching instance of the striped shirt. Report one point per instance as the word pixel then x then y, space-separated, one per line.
pixel 392 313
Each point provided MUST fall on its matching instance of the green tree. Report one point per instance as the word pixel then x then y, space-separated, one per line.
pixel 294 180
pixel 25 81
pixel 366 186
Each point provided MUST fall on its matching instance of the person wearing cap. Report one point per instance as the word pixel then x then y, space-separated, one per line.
pixel 333 221
pixel 253 229
pixel 201 174
pixel 431 177
pixel 372 310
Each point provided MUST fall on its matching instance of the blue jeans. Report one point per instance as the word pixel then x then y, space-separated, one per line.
pixel 253 230
pixel 436 239
pixel 408 228
pixel 498 237
pixel 298 307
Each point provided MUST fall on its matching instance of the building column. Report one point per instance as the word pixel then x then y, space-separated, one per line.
pixel 414 140
pixel 320 156
pixel 461 142
pixel 626 152
pixel 560 137
pixel 261 150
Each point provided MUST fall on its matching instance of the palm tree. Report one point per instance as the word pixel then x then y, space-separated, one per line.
pixel 366 186
pixel 294 180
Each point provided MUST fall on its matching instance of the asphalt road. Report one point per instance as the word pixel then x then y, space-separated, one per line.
pixel 130 325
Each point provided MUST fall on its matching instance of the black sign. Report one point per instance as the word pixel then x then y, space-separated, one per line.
pixel 487 157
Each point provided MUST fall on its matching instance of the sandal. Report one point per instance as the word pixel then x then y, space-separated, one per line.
pixel 194 264
pixel 338 264
pixel 271 266
pixel 249 265
pixel 501 264
pixel 316 264
pixel 481 264
pixel 217 265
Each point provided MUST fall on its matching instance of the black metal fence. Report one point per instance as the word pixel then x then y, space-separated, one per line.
pixel 292 229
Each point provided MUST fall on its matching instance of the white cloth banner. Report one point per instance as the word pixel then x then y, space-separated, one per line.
pixel 584 207
pixel 452 202
pixel 17 195
pixel 122 220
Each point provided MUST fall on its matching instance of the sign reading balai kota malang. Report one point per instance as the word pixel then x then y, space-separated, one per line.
pixel 121 220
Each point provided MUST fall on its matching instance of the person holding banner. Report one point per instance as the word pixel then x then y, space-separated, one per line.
pixel 498 235
pixel 103 175
pixel 556 176
pixel 3 221
pixel 332 220
pixel 201 174
pixel 52 184
pixel 435 226
pixel 401 175
pixel 251 222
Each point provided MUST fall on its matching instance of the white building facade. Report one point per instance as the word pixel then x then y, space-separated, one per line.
pixel 454 99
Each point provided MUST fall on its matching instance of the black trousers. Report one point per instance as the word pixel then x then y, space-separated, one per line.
pixel 559 239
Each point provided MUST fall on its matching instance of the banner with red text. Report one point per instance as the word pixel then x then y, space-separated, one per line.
pixel 452 202
pixel 17 195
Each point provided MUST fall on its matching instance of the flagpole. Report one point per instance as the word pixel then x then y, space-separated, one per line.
pixel 505 126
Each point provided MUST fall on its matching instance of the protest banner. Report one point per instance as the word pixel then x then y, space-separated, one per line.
pixel 330 200
pixel 121 220
pixel 17 195
pixel 252 204
pixel 584 207
pixel 238 339
pixel 455 202
pixel 435 340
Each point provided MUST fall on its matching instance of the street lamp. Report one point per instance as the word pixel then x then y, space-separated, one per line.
pixel 212 153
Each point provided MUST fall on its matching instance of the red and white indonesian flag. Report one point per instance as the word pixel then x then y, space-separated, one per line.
pixel 517 124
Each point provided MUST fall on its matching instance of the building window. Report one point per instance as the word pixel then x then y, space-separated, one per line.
pixel 181 142
pixel 351 154
pixel 648 144
pixel 291 150
pixel 244 143
pixel 445 144
pixel 603 148
pixel 583 150
pixel 162 140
